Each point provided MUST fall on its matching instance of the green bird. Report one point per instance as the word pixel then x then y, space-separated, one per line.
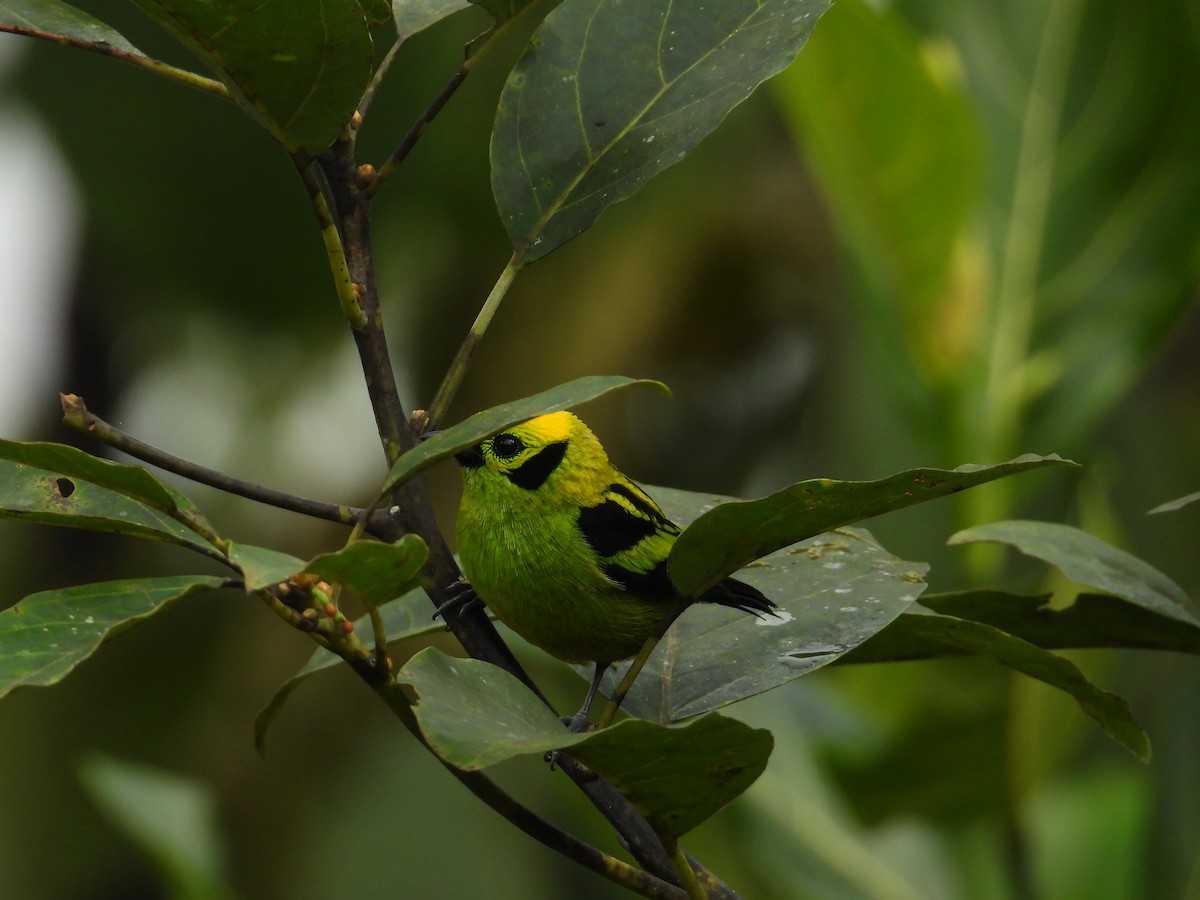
pixel 568 552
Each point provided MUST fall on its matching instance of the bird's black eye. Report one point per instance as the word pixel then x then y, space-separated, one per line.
pixel 506 445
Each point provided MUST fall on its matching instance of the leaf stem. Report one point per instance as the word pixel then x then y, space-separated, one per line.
pixel 683 870
pixel 639 662
pixel 377 77
pixel 183 76
pixel 466 351
pixel 80 418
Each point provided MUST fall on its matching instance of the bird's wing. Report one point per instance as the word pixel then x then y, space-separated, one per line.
pixel 632 538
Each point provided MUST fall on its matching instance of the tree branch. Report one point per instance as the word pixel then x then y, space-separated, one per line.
pixel 77 416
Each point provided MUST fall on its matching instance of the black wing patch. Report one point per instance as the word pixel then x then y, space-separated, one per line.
pixel 532 473
pixel 654 583
pixel 610 528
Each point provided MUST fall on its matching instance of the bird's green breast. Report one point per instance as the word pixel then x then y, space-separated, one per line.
pixel 527 560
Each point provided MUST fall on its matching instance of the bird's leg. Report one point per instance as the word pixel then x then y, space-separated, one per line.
pixel 579 722
pixel 462 598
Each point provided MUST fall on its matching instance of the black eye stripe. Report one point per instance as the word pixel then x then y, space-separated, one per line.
pixel 532 473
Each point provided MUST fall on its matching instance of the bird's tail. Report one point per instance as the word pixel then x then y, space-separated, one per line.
pixel 739 595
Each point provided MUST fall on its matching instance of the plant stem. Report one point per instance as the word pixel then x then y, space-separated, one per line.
pixel 466 351
pixel 364 105
pixel 683 870
pixel 639 662
pixel 183 76
pixel 77 416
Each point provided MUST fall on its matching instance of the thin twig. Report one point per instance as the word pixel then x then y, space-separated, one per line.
pixel 377 77
pixel 77 416
pixel 348 291
pixel 417 129
pixel 466 351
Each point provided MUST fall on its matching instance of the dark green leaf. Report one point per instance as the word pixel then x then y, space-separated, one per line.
pixel 377 11
pixel 134 482
pixel 1092 620
pixel 170 818
pixel 834 591
pixel 48 634
pixel 733 534
pixel 1089 561
pixel 262 567
pixel 377 572
pixel 610 93
pixel 1111 711
pixel 298 66
pixel 472 430
pixel 34 494
pixel 475 714
pixel 1178 503
pixel 50 18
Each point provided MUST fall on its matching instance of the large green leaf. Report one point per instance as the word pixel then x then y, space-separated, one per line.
pixel 731 535
pixel 170 818
pixel 1090 561
pixel 46 635
pixel 610 93
pixel 469 432
pixel 50 18
pixel 134 482
pixel 414 16
pixel 834 591
pixel 474 714
pixel 1092 620
pixel 34 494
pixel 298 66
pixel 1111 711
pixel 377 572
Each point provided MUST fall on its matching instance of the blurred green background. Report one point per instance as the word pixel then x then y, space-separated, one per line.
pixel 949 233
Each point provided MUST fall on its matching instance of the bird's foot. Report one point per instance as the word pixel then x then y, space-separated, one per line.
pixel 462 598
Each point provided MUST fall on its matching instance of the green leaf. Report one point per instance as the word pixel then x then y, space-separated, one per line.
pixel 34 494
pixel 48 634
pixel 299 67
pixel 410 616
pixel 733 534
pixel 170 818
pixel 474 714
pixel 834 591
pixel 262 567
pixel 608 94
pixel 1092 620
pixel 1110 710
pixel 414 16
pixel 50 19
pixel 377 11
pixel 377 572
pixel 1089 561
pixel 470 431
pixel 1178 503
pixel 132 481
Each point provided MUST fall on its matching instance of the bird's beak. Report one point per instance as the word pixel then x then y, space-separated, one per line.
pixel 471 458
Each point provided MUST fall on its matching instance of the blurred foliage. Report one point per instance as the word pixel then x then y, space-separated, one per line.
pixel 949 233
